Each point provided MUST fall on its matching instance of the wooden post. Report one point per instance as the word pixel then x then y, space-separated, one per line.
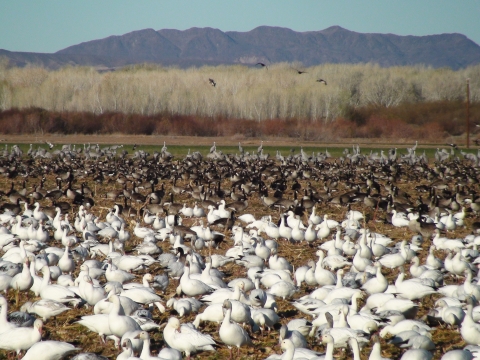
pixel 468 113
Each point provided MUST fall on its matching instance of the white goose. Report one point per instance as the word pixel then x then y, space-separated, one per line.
pixel 22 281
pixel 56 292
pixel 120 324
pixel 377 284
pixel 231 333
pixel 469 329
pixel 323 276
pixel 192 287
pixel 49 350
pixel 91 294
pixel 185 338
pixel 22 338
pixel 145 354
pixel 5 325
pixel 99 324
pixel 44 308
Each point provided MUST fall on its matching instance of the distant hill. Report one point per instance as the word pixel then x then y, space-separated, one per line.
pixel 207 46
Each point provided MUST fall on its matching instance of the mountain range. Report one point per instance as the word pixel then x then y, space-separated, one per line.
pixel 266 44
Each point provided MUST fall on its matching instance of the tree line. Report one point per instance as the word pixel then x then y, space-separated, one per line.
pixel 240 92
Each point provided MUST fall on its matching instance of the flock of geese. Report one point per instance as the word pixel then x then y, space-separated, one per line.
pixel 310 255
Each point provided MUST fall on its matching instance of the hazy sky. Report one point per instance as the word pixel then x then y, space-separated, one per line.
pixel 51 25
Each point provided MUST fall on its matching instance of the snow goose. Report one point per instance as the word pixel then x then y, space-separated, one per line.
pixel 68 239
pixel 21 318
pixel 208 275
pixel 298 234
pixel 129 263
pixel 377 284
pixel 460 264
pixel 323 229
pixel 399 219
pixel 56 292
pixel 308 305
pixel 323 276
pixel 231 333
pixel 301 325
pixel 376 353
pixel 49 350
pixel 127 353
pixel 90 293
pixel 279 263
pixel 262 250
pixel 361 321
pixel 22 281
pixel 22 338
pixel 392 261
pixel 5 281
pixel 37 214
pixel 66 262
pixel 335 262
pixel 340 291
pixel 404 287
pixel 299 276
pixel 283 230
pixel 341 335
pixel 5 325
pixel 185 338
pixel 99 324
pixel 469 329
pixel 310 233
pixel 359 262
pixel 403 326
pixel 192 287
pixel 291 353
pixel 142 232
pixel 145 354
pixel 417 354
pixel 182 306
pixel 218 296
pixel 283 289
pixel 44 308
pixel 119 324
pixel 264 318
pixel 294 336
pixel 458 355
pixel 315 219
pixel 114 274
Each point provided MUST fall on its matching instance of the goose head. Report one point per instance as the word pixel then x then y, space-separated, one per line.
pixel 174 323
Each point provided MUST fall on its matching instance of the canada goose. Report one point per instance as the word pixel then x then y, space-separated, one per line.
pixel 322 81
pixel 212 82
pixel 173 207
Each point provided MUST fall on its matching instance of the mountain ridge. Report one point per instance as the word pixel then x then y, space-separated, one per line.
pixel 267 44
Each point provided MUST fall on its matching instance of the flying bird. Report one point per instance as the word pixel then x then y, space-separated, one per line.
pixel 262 65
pixel 50 145
pixel 212 82
pixel 453 146
pixel 322 81
pixel 300 72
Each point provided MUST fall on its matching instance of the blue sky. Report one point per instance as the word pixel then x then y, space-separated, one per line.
pixel 51 25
